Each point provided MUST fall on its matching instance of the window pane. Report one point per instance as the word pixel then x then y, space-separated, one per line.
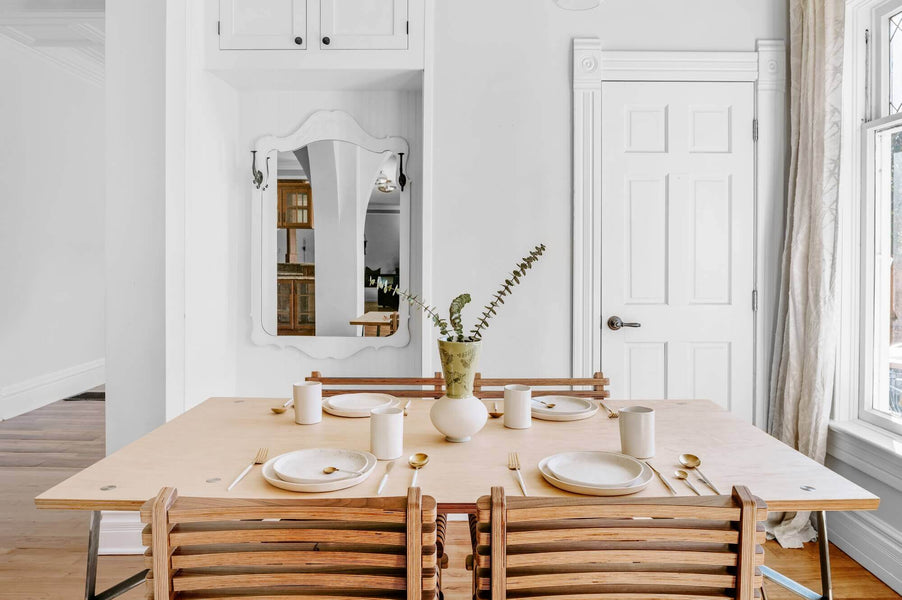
pixel 888 281
pixel 895 63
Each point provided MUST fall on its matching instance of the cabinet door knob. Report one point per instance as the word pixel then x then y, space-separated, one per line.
pixel 327 41
pixel 298 40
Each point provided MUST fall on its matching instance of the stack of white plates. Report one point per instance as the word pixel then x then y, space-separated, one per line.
pixel 566 408
pixel 596 473
pixel 357 405
pixel 302 470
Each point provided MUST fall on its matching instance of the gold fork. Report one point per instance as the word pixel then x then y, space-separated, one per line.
pixel 612 414
pixel 513 463
pixel 258 460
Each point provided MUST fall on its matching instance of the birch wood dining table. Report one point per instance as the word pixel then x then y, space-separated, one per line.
pixel 201 452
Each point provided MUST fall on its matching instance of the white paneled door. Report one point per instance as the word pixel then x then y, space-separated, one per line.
pixel 262 24
pixel 678 195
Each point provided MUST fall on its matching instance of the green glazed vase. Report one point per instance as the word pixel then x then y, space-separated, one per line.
pixel 459 361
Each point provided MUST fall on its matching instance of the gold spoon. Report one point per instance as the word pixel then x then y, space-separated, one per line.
pixel 612 414
pixel 494 412
pixel 681 474
pixel 417 461
pixel 547 405
pixel 280 409
pixel 691 461
pixel 330 470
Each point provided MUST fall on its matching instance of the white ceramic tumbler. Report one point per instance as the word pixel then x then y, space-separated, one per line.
pixel 308 402
pixel 387 433
pixel 517 406
pixel 637 431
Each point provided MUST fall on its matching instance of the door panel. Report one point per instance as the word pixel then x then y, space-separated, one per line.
pixel 262 24
pixel 364 24
pixel 677 247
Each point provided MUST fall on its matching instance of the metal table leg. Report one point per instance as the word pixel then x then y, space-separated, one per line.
pixel 797 588
pixel 91 573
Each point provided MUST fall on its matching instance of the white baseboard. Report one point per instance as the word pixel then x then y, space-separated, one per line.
pixel 36 392
pixel 871 542
pixel 120 533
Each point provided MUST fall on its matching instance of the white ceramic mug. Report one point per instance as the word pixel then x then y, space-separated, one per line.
pixel 387 432
pixel 308 402
pixel 637 431
pixel 517 406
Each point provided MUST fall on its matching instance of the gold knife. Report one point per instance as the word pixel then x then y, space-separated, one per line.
pixel 384 480
pixel 661 477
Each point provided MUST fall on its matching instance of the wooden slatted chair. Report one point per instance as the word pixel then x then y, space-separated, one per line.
pixel 494 388
pixel 413 387
pixel 684 548
pixel 400 387
pixel 202 548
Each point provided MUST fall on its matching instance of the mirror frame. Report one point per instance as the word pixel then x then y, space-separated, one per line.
pixel 320 126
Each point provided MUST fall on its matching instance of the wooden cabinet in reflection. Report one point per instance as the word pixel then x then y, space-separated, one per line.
pixel 295 204
pixel 296 302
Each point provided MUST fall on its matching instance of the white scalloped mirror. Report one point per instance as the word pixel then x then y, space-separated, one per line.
pixel 331 222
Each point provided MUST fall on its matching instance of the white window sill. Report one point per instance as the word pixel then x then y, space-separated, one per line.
pixel 868 448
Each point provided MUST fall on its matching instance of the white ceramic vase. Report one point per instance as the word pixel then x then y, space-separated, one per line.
pixel 458 418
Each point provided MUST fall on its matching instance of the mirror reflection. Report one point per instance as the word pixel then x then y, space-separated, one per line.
pixel 339 233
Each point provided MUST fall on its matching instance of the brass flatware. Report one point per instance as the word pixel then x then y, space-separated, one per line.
pixel 494 412
pixel 330 470
pixel 691 461
pixel 684 477
pixel 662 478
pixel 406 406
pixel 547 404
pixel 280 409
pixel 513 463
pixel 259 459
pixel 417 461
pixel 384 479
pixel 612 414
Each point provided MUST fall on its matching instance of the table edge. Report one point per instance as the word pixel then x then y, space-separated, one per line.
pixel 864 504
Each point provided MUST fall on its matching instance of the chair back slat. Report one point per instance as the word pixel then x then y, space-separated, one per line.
pixel 635 548
pixel 329 548
pixel 434 387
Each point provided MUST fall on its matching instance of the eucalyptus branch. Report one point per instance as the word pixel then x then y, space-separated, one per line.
pixel 507 286
pixel 457 305
pixel 417 302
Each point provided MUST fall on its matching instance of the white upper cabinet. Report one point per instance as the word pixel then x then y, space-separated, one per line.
pixel 363 24
pixel 263 24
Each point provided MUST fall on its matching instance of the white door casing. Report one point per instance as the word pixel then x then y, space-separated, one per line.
pixel 677 246
pixel 765 71
pixel 262 24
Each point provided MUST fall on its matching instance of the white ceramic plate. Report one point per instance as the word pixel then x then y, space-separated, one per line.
pixel 640 484
pixel 330 486
pixel 306 466
pixel 596 469
pixel 566 408
pixel 356 405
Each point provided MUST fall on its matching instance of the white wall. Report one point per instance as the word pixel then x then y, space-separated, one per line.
pixel 51 232
pixel 135 217
pixel 502 147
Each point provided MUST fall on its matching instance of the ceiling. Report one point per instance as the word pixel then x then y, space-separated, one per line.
pixel 69 33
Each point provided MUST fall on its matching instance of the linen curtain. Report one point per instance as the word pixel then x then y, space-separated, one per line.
pixel 806 331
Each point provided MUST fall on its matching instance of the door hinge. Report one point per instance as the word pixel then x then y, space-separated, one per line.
pixel 407 27
pixel 218 27
pixel 755 130
pixel 755 300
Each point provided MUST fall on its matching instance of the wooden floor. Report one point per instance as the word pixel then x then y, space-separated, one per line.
pixel 42 553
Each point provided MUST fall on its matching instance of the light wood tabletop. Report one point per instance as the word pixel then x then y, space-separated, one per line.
pixel 201 452
pixel 373 317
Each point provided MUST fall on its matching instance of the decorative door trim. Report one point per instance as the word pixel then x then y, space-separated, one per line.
pixel 592 66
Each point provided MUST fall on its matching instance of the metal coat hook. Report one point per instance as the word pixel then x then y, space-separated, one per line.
pixel 258 176
pixel 266 185
pixel 402 178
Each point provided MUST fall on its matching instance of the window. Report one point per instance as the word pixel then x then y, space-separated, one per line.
pixel 881 231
